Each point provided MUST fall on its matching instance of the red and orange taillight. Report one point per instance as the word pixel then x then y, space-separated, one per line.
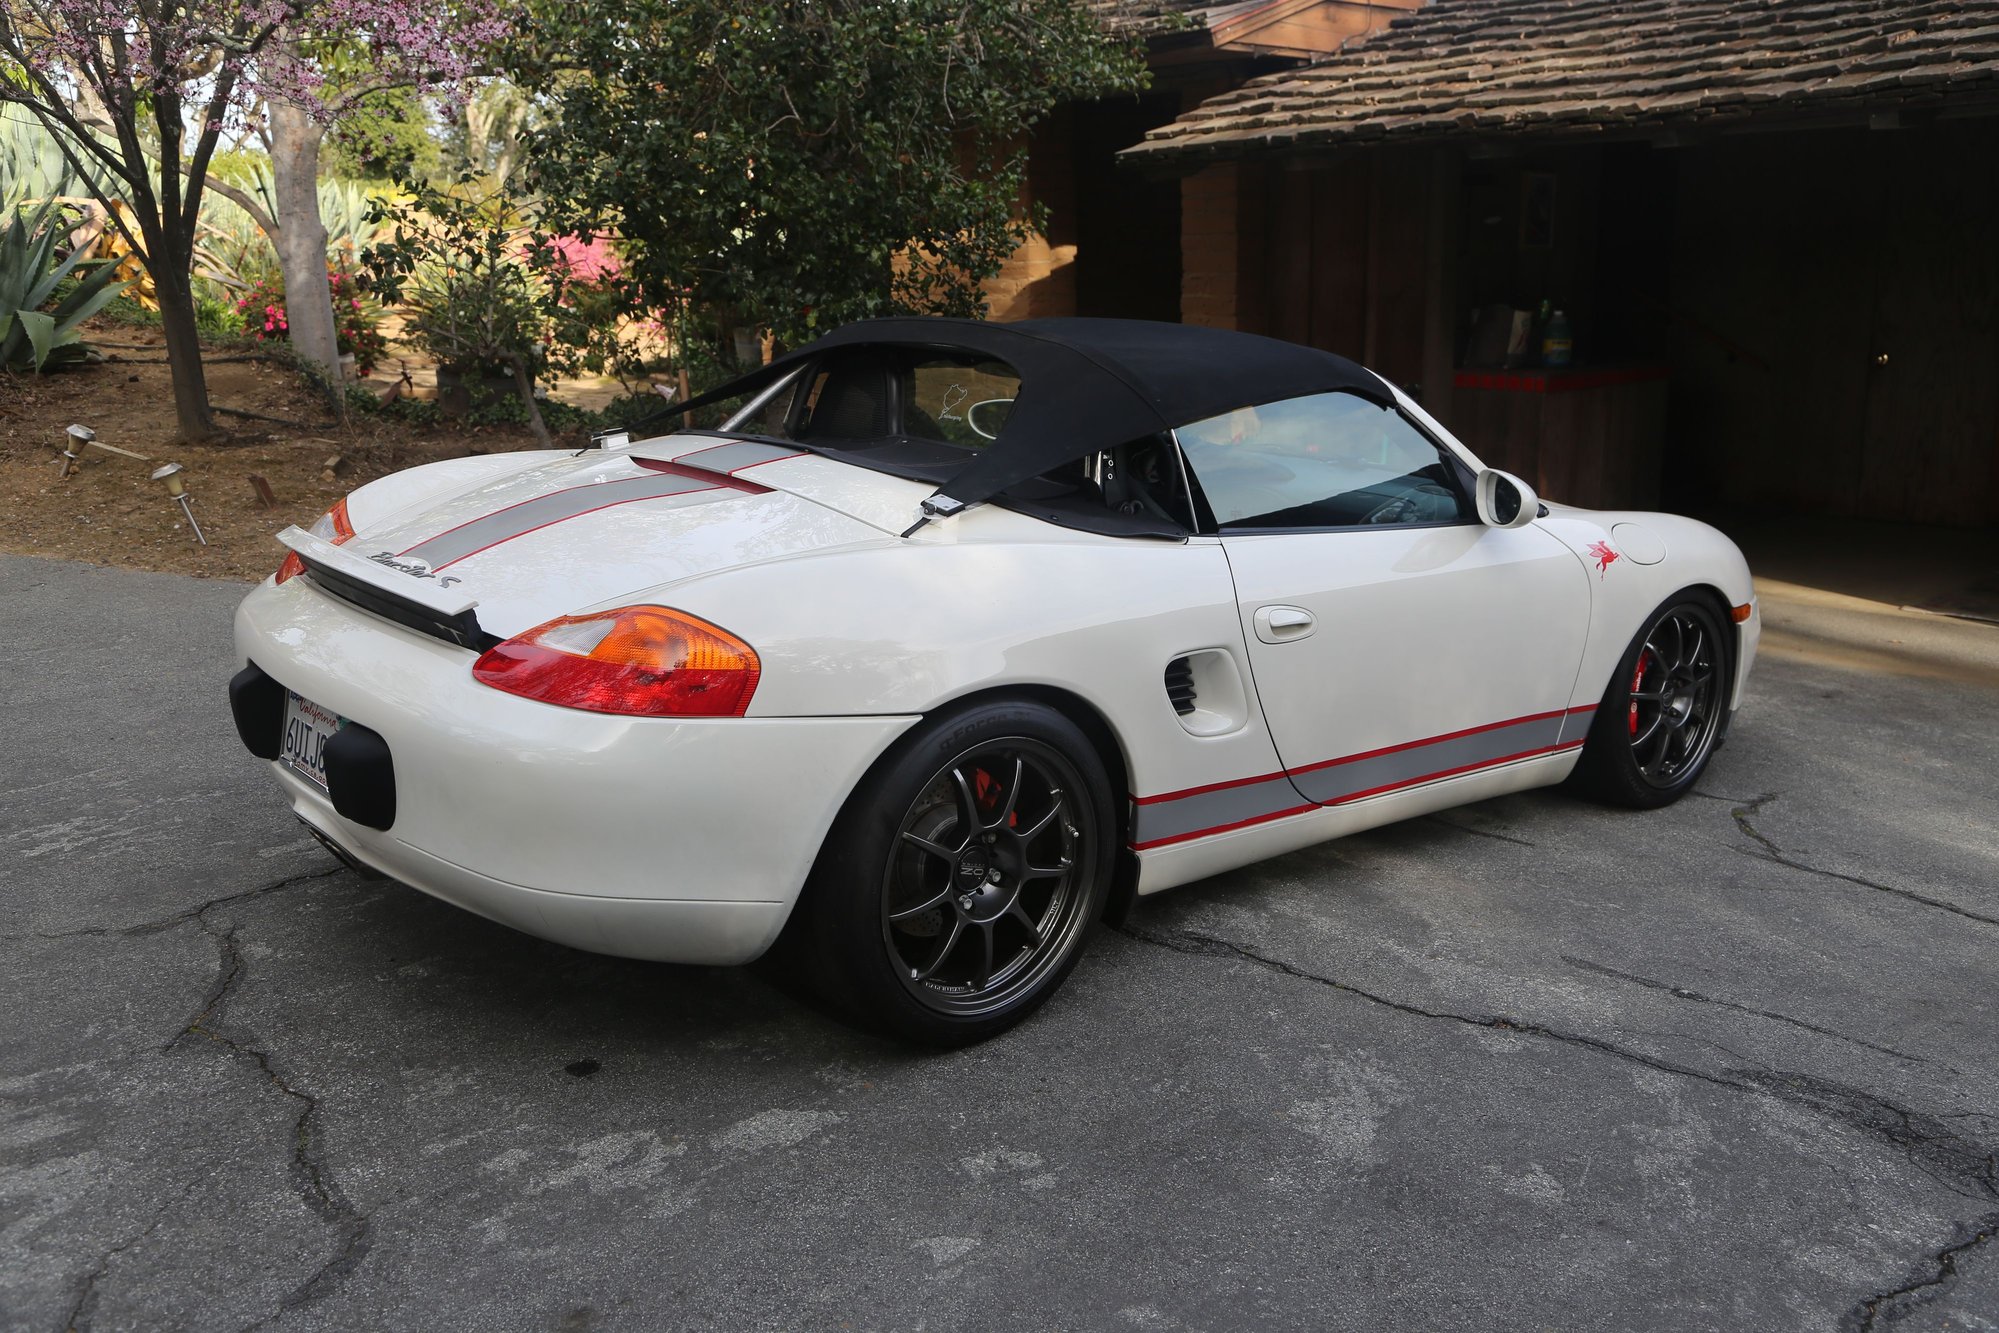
pixel 644 661
pixel 332 526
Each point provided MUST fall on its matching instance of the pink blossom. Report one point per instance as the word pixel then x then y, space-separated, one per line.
pixel 434 48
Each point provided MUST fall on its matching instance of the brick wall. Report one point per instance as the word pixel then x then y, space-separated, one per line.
pixel 1039 279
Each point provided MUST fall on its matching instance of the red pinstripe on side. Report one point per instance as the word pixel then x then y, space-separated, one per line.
pixel 1223 828
pixel 1451 772
pixel 1350 797
pixel 1430 740
pixel 1199 791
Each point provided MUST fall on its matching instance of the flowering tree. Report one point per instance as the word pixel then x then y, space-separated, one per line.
pixel 143 91
pixel 317 81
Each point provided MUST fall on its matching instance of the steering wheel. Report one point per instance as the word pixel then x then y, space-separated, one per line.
pixel 986 408
pixel 1404 508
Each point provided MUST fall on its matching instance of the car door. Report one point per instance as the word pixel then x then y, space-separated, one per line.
pixel 1394 639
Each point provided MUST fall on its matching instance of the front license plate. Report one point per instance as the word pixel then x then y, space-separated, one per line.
pixel 308 728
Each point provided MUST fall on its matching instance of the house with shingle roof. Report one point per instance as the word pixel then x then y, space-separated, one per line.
pixel 1113 241
pixel 1771 228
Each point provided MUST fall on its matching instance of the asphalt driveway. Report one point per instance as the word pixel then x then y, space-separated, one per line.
pixel 1531 1064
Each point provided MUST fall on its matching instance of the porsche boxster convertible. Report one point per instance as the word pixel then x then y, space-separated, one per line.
pixel 953 638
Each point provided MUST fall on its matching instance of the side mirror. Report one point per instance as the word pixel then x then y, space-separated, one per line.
pixel 1505 501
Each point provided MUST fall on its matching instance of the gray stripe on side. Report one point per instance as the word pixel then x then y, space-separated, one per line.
pixel 1576 725
pixel 1213 809
pixel 730 457
pixel 1352 778
pixel 518 519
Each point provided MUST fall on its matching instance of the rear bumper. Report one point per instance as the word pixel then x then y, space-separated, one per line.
pixel 682 840
pixel 662 929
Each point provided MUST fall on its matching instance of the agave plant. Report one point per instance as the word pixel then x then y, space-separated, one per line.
pixel 29 275
pixel 344 208
pixel 32 166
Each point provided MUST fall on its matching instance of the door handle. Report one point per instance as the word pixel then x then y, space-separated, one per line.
pixel 1281 624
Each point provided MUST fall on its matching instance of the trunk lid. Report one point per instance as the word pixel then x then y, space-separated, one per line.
pixel 583 531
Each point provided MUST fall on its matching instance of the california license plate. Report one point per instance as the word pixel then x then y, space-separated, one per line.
pixel 308 728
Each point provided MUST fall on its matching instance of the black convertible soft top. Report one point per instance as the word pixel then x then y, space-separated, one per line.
pixel 1090 384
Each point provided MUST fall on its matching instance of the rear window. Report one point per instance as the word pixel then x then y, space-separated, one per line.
pixel 958 402
pixel 867 395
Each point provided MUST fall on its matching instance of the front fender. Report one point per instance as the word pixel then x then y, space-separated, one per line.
pixel 1638 560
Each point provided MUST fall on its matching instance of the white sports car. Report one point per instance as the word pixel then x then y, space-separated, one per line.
pixel 953 639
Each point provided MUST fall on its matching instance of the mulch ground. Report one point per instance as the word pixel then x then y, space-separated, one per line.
pixel 110 513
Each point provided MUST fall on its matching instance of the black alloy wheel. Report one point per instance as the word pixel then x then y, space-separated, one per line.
pixel 1673 707
pixel 980 899
pixel 960 882
pixel 1662 716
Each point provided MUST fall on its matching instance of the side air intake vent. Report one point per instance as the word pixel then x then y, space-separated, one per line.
pixel 1180 685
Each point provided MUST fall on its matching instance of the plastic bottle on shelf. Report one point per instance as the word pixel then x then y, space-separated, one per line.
pixel 1558 343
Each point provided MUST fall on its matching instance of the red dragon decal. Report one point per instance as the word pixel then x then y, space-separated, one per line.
pixel 1605 554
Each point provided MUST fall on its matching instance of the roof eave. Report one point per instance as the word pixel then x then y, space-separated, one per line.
pixel 1472 131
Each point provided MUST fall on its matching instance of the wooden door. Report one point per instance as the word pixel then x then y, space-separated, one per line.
pixel 1930 442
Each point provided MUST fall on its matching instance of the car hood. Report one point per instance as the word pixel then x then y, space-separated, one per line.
pixel 579 532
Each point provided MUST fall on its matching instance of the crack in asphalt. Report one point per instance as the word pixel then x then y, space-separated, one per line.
pixel 1772 852
pixel 1901 1301
pixel 312 1175
pixel 86 1291
pixel 1683 993
pixel 179 918
pixel 1200 945
pixel 1930 1145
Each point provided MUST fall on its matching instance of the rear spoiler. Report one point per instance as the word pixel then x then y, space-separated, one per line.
pixel 399 591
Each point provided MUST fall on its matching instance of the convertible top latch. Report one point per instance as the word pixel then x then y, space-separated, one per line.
pixel 939 505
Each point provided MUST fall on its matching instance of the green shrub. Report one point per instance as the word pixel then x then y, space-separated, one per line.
pixel 40 326
pixel 217 319
pixel 415 411
pixel 125 310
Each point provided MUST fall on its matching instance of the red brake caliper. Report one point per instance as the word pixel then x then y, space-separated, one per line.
pixel 1637 679
pixel 986 789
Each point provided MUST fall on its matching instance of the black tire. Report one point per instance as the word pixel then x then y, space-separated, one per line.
pixel 917 924
pixel 1665 708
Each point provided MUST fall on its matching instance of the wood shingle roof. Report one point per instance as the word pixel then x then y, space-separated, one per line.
pixel 1461 68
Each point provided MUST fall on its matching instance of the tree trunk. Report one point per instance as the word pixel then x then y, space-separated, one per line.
pixel 176 297
pixel 301 239
pixel 525 384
